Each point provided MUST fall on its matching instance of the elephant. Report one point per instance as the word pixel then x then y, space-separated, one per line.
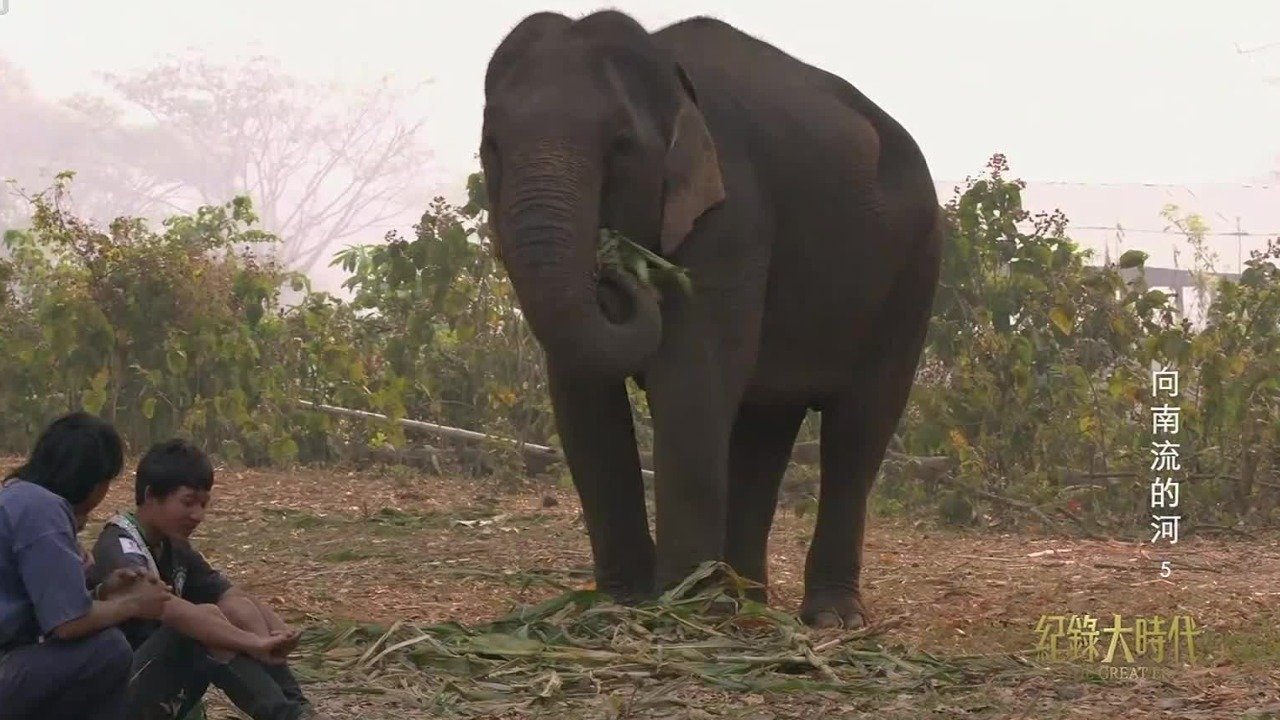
pixel 807 220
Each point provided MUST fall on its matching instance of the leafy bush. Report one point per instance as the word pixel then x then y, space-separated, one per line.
pixel 164 333
pixel 441 316
pixel 1037 375
pixel 1036 380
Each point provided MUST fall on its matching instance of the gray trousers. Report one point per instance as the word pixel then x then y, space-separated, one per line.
pixel 171 672
pixel 66 679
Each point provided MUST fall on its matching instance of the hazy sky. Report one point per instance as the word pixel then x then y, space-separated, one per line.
pixel 1088 91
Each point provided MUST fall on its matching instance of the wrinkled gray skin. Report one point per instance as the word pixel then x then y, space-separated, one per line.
pixel 809 224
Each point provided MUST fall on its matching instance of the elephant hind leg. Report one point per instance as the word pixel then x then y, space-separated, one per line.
pixel 760 447
pixel 856 429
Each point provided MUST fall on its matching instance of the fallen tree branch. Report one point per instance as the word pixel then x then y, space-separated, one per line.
pixel 1196 529
pixel 810 453
pixel 539 457
pixel 443 430
pixel 1028 507
pixel 1074 477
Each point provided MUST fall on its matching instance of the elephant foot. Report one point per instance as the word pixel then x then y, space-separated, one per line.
pixel 718 580
pixel 757 594
pixel 629 596
pixel 824 610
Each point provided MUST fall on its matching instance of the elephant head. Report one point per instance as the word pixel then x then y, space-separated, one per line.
pixel 591 125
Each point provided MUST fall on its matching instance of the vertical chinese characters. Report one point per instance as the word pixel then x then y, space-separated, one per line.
pixel 1165 421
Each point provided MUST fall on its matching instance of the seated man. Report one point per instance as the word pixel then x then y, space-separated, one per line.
pixel 211 631
pixel 61 652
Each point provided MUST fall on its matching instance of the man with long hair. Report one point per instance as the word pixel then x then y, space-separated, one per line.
pixel 61 654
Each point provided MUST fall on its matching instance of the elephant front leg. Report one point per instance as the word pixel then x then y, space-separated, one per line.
pixel 760 447
pixel 593 419
pixel 691 431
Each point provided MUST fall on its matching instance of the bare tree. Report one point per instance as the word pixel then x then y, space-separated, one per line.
pixel 120 169
pixel 320 164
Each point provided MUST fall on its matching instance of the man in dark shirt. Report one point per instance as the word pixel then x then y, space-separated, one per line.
pixel 212 632
pixel 178 565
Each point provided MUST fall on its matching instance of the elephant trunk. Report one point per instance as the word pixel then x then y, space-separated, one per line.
pixel 548 225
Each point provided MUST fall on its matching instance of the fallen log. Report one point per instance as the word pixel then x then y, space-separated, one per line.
pixel 539 457
pixel 422 457
pixel 810 453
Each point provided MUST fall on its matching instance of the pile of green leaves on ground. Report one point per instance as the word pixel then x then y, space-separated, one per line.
pixel 578 647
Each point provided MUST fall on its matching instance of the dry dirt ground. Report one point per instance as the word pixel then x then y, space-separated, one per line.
pixel 386 546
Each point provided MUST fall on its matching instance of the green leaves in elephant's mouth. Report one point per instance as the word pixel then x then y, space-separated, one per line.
pixel 622 254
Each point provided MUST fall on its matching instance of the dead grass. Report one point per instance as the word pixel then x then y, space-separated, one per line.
pixel 369 560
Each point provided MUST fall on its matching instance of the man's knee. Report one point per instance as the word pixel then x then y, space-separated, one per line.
pixel 110 656
pixel 96 665
pixel 213 611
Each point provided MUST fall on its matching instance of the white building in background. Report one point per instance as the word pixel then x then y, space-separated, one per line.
pixel 1113 218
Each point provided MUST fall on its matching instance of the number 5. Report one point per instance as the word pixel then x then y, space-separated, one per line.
pixel 1165 570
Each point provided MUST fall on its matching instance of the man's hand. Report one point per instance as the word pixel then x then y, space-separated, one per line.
pixel 146 596
pixel 272 649
pixel 291 639
pixel 122 579
pixel 86 561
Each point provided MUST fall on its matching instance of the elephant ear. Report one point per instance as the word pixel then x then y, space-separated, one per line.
pixel 692 181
